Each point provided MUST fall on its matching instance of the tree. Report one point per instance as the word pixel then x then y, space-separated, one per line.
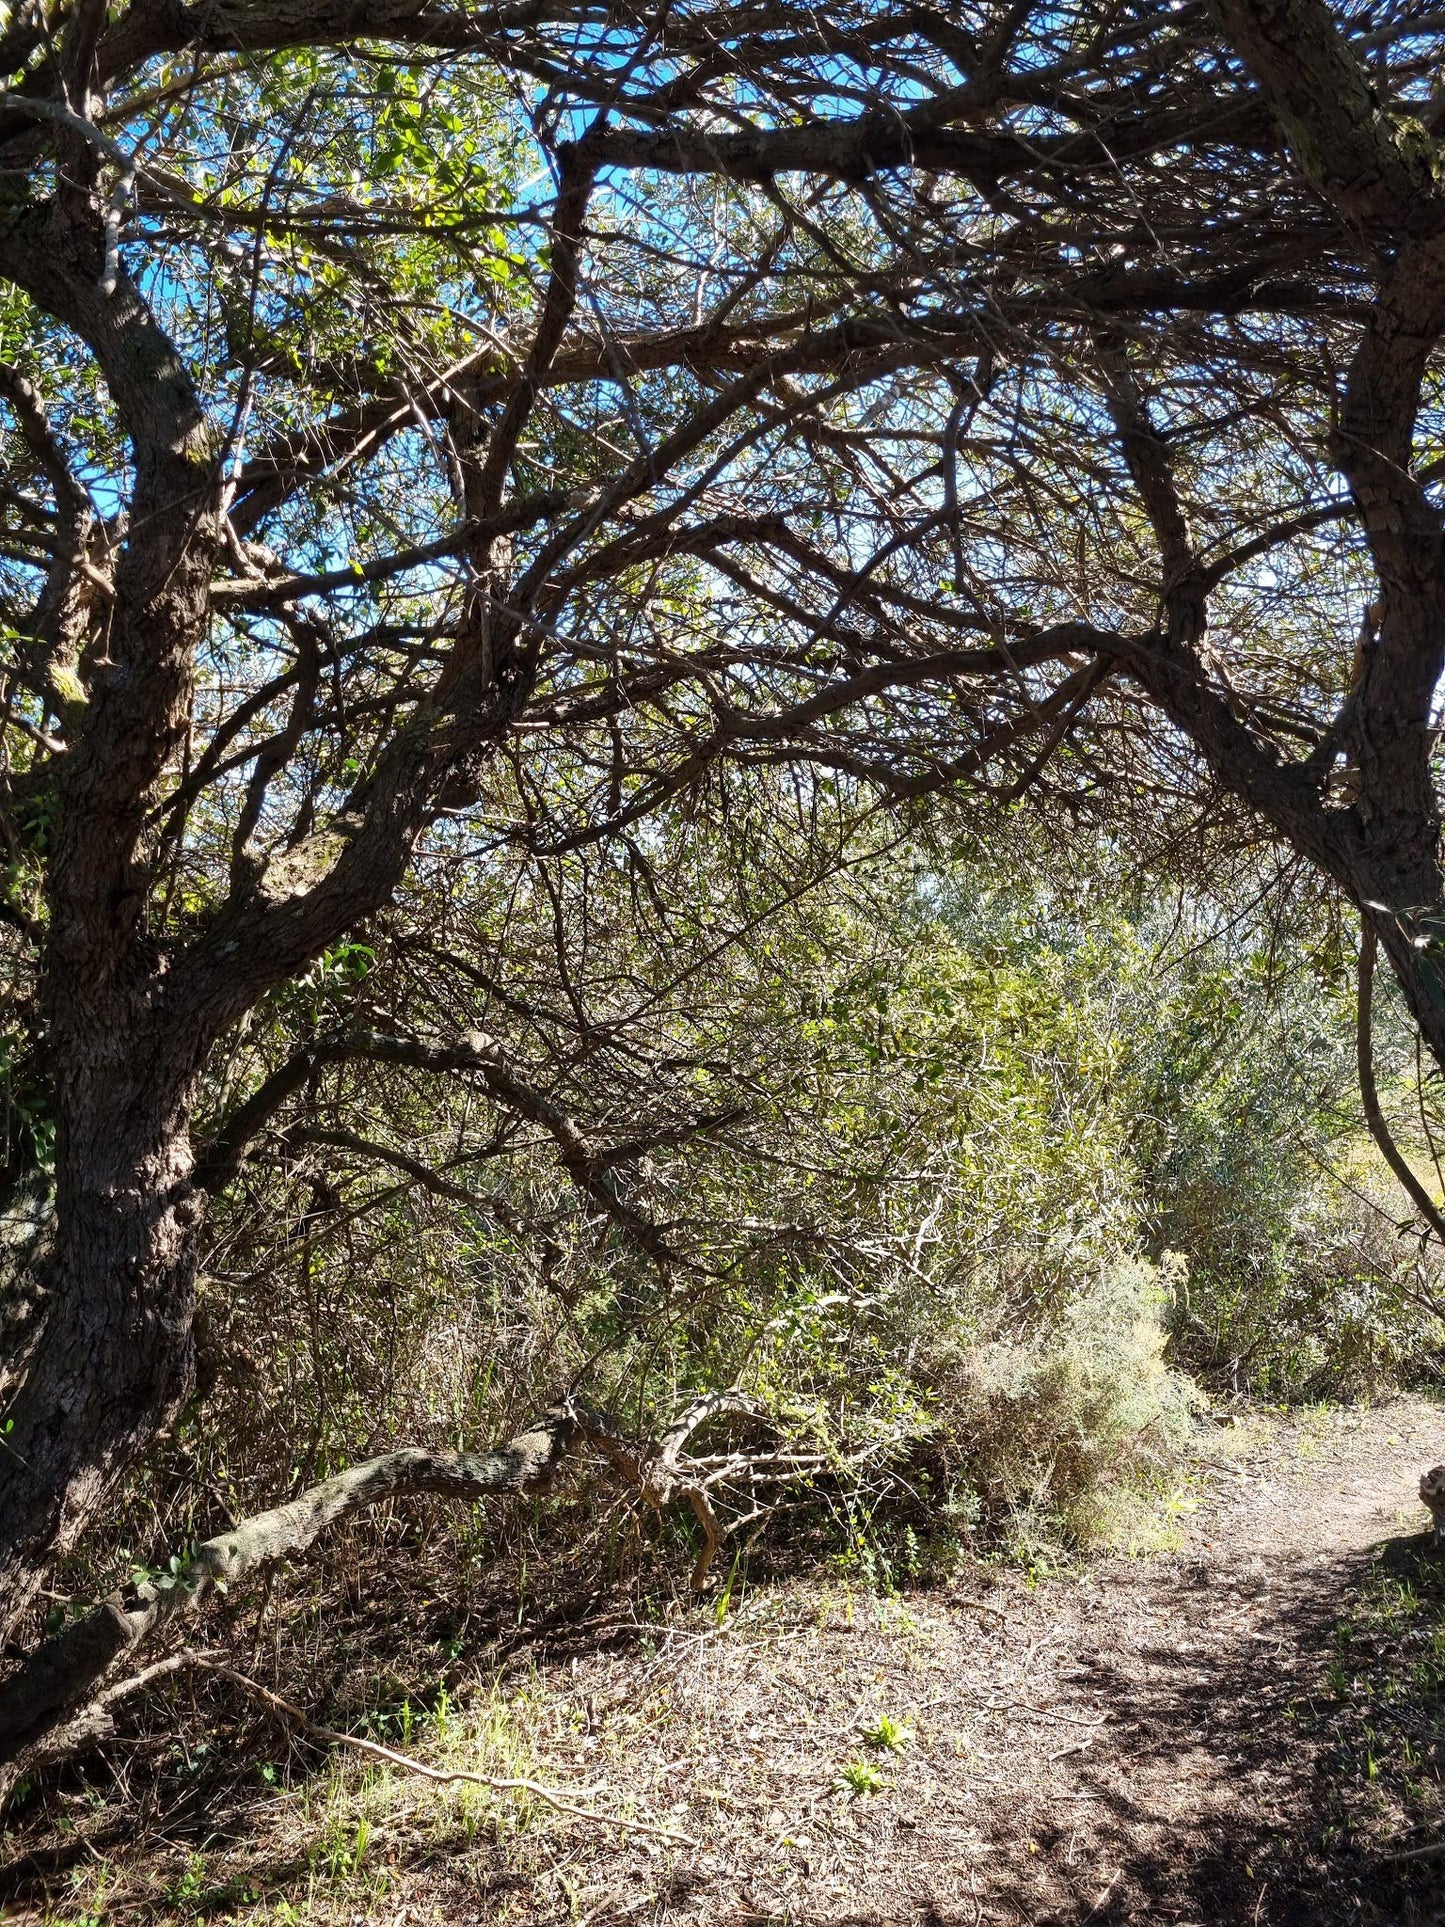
pixel 1210 245
pixel 418 415
pixel 166 652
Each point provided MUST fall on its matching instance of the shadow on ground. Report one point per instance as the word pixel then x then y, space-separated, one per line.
pixel 1276 1776
pixel 1248 1736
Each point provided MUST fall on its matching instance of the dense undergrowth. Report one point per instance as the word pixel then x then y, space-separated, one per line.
pixel 996 1187
pixel 1009 1187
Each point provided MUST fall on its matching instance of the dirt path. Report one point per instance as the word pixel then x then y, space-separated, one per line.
pixel 1156 1741
pixel 1208 1795
pixel 1244 1728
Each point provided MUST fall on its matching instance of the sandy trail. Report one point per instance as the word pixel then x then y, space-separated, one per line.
pixel 1206 1801
pixel 1155 1741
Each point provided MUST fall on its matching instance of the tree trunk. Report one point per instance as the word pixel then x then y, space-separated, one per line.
pixel 111 1361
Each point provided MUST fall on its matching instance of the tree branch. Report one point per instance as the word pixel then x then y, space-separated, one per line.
pixel 52 1683
pixel 589 1165
pixel 1370 1097
pixel 57 1698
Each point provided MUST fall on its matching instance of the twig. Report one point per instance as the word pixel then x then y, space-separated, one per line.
pixel 443 1775
pixel 1103 1897
pixel 1430 1852
pixel 982 1606
pixel 148 1676
pixel 1041 1713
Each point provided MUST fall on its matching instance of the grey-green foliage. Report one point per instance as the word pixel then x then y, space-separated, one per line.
pixel 1256 1166
pixel 1053 1424
pixel 1007 1164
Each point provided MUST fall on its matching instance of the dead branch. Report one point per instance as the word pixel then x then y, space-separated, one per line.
pixel 58 1699
pixel 663 1472
pixel 445 1776
pixel 59 1679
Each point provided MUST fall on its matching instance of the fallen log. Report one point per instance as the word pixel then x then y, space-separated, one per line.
pixel 59 1697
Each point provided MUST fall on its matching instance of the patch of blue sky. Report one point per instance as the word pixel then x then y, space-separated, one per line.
pixel 332 543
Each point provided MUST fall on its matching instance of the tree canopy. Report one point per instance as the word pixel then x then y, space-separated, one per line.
pixel 447 443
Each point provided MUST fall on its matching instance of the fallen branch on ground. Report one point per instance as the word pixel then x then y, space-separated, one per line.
pixel 1431 1852
pixel 57 1699
pixel 550 1796
pixel 56 1686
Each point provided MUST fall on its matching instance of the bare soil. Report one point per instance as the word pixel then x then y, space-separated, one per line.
pixel 1245 1727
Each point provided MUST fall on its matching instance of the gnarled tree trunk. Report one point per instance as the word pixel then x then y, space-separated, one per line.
pixel 110 1293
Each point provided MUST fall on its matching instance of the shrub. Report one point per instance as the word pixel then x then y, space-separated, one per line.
pixel 1051 1423
pixel 967 1128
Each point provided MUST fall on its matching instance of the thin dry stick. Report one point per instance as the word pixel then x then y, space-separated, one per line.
pixel 1099 1903
pixel 1041 1713
pixel 444 1775
pixel 982 1606
pixel 150 1674
pixel 1431 1852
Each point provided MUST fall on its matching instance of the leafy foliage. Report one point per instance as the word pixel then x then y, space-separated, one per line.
pixel 948 1214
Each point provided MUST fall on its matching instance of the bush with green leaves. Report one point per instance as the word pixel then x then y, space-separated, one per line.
pixel 1051 1424
pixel 1301 1282
pixel 964 1180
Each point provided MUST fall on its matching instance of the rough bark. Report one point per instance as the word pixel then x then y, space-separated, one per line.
pixel 27 1236
pixel 111 1363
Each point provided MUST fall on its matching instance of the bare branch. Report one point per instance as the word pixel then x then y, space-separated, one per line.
pixel 1370 1097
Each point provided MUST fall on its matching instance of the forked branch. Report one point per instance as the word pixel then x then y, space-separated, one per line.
pixel 59 1698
